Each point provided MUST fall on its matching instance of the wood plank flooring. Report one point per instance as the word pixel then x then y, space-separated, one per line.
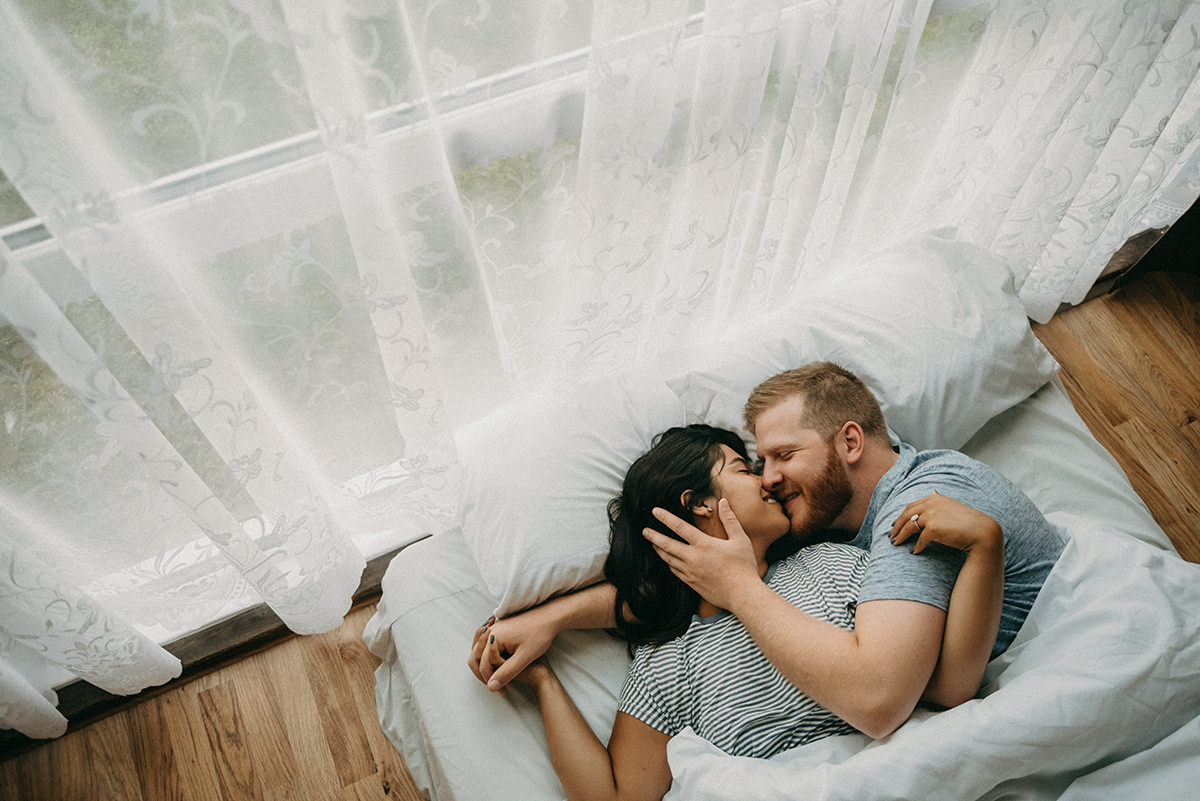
pixel 298 721
pixel 295 721
pixel 1131 365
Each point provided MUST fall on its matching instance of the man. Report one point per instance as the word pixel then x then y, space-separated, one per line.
pixel 827 458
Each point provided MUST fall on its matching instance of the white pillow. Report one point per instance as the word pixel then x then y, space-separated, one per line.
pixel 538 476
pixel 932 326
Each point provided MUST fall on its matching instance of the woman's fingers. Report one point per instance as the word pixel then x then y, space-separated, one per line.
pixel 499 658
pixel 477 644
pixel 904 520
pixel 908 523
pixel 923 540
pixel 485 661
pixel 902 535
pixel 921 508
pixel 507 670
pixel 491 658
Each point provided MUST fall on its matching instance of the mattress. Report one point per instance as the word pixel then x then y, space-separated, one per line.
pixel 462 743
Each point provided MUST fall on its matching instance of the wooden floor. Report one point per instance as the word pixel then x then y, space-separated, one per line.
pixel 1131 364
pixel 297 721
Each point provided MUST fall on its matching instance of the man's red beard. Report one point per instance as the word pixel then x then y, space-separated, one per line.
pixel 824 500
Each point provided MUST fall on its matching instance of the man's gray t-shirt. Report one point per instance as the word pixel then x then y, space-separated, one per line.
pixel 1031 544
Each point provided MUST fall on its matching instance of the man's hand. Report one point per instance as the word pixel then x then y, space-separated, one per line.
pixel 501 649
pixel 717 569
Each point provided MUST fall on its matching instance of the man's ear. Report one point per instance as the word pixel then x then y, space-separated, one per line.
pixel 852 441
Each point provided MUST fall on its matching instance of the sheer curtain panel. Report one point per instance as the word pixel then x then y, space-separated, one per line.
pixel 261 257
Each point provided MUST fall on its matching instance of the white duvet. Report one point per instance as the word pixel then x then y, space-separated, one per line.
pixel 1098 698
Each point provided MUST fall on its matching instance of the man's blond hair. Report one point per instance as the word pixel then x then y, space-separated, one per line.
pixel 832 397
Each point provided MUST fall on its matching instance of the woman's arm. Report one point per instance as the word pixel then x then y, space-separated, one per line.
pixel 972 623
pixel 973 619
pixel 632 768
pixel 503 648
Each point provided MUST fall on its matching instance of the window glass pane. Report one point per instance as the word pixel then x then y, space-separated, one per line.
pixel 469 40
pixel 296 307
pixel 178 84
pixel 175 86
pixel 59 457
pixel 12 207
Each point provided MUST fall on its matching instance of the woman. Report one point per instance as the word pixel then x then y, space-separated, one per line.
pixel 696 665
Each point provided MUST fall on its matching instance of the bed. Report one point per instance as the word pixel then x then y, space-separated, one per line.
pixel 1099 696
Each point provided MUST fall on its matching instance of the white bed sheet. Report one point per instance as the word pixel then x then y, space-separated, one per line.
pixel 462 743
pixel 1105 671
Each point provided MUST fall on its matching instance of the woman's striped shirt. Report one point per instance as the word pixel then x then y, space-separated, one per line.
pixel 715 679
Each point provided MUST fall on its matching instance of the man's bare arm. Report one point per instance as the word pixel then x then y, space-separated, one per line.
pixel 871 677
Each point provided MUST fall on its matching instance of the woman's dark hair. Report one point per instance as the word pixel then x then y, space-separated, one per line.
pixel 679 460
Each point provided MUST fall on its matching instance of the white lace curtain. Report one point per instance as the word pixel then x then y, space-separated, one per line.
pixel 260 256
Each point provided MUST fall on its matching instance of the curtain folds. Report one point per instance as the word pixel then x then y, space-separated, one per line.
pixel 259 259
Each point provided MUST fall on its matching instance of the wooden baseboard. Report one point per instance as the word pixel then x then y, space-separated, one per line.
pixel 201 652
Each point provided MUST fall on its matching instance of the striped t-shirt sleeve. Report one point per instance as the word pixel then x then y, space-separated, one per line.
pixel 715 679
pixel 646 697
pixel 839 570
